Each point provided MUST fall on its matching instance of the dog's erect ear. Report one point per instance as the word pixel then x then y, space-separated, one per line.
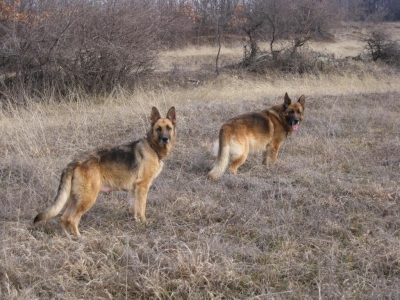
pixel 171 115
pixel 287 101
pixel 302 100
pixel 155 115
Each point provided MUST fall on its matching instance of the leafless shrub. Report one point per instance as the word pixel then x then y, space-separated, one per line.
pixel 380 47
pixel 83 45
pixel 268 20
pixel 376 43
pixel 302 61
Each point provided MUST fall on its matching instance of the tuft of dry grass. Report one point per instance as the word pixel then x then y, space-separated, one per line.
pixel 323 223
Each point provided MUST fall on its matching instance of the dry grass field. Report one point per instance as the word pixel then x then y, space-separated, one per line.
pixel 324 223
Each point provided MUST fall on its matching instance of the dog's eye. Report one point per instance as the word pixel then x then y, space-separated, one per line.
pixel 298 112
pixel 169 128
pixel 158 129
pixel 291 112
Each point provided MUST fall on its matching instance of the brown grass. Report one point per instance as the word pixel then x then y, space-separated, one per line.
pixel 324 223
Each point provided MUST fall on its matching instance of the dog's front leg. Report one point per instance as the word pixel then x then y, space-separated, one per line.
pixel 270 155
pixel 138 206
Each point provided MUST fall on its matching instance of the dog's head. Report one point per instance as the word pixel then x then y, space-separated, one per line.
pixel 163 129
pixel 293 112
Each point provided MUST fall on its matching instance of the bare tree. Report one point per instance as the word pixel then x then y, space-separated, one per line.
pixel 381 47
pixel 294 20
pixel 223 12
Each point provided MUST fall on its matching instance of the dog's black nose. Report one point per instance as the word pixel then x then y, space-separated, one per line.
pixel 165 139
pixel 295 121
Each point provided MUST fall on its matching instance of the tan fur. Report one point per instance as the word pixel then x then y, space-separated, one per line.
pixel 130 167
pixel 252 132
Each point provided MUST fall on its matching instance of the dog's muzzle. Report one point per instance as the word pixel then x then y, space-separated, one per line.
pixel 164 140
pixel 295 124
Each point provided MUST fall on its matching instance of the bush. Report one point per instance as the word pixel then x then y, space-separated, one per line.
pixel 88 46
pixel 301 61
pixel 380 47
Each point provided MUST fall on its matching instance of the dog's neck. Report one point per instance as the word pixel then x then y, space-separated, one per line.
pixel 154 147
pixel 276 113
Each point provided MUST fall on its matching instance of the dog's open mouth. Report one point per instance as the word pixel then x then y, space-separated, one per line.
pixel 295 124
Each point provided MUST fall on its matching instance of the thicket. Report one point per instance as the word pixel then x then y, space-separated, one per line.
pixel 89 46
pixel 380 47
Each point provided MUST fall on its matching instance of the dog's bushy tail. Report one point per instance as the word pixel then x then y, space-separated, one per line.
pixel 222 160
pixel 63 193
pixel 214 149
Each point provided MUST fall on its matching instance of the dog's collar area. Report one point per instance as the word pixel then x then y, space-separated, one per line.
pixel 154 148
pixel 273 112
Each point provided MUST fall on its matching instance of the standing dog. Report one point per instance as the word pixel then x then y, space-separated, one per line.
pixel 129 167
pixel 251 132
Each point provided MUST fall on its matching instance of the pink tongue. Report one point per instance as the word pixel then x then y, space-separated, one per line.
pixel 295 127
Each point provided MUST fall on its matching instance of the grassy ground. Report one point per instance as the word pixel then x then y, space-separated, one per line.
pixel 323 223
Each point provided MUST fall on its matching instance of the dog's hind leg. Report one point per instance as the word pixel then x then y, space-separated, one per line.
pixel 266 159
pixel 84 203
pixel 222 161
pixel 70 209
pixel 86 187
pixel 238 161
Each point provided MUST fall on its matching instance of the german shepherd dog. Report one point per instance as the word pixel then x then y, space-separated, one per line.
pixel 251 132
pixel 129 167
